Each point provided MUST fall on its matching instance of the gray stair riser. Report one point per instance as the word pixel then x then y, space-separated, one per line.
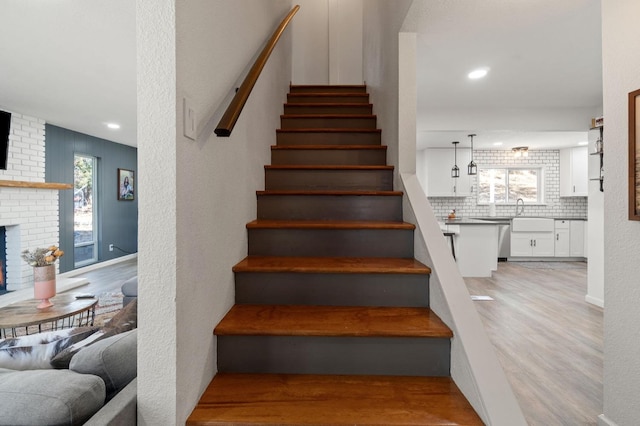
pixel 328 138
pixel 364 180
pixel 328 122
pixel 327 89
pixel 335 289
pixel 328 99
pixel 331 207
pixel 331 242
pixel 328 109
pixel 336 157
pixel 399 356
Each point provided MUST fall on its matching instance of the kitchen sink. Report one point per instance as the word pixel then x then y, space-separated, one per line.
pixel 532 224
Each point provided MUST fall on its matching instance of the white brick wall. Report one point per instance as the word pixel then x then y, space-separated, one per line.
pixel 30 215
pixel 554 205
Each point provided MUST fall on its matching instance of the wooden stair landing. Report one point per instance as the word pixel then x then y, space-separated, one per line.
pixel 260 399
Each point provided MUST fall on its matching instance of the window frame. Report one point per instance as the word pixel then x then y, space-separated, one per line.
pixel 542 176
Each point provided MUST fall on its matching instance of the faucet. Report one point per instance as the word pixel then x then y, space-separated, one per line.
pixel 521 210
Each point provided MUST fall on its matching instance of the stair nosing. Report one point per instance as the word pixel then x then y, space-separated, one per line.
pixel 327 224
pixel 329 104
pixel 329 130
pixel 331 265
pixel 324 167
pixel 329 147
pixel 344 116
pixel 328 192
pixel 367 321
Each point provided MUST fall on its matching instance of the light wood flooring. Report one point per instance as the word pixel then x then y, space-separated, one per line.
pixel 547 338
pixel 108 278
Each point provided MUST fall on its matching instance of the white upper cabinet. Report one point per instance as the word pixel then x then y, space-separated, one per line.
pixel 574 172
pixel 438 162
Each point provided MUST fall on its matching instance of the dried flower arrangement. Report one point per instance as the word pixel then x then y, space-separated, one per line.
pixel 42 256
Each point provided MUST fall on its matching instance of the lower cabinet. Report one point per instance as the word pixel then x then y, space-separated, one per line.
pixel 532 244
pixel 570 238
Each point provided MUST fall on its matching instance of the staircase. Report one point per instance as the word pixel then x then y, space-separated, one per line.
pixel 332 322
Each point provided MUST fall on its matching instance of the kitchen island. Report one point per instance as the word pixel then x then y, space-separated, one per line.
pixel 476 245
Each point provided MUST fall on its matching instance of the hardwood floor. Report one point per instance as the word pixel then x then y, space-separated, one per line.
pixel 108 278
pixel 548 339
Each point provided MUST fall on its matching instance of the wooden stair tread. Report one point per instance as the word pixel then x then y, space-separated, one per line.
pixel 328 130
pixel 324 167
pixel 307 320
pixel 328 104
pixel 331 265
pixel 325 224
pixel 346 116
pixel 262 399
pixel 327 192
pixel 327 86
pixel 329 147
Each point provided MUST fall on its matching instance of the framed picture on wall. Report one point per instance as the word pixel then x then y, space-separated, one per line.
pixel 126 184
pixel 634 155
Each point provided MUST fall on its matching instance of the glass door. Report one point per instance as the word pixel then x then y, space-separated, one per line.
pixel 85 210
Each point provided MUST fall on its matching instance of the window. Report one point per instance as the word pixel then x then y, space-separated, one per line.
pixel 84 211
pixel 504 185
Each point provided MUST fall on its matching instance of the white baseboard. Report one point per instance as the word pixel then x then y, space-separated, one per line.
pixel 594 301
pixel 604 421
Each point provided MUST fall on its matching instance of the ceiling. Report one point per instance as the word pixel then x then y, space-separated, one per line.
pixel 73 64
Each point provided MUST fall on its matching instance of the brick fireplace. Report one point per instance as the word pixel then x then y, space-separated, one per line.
pixel 28 213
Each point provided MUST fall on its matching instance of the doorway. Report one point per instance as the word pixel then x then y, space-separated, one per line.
pixel 85 203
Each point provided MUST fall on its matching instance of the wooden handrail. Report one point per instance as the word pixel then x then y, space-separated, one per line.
pixel 228 120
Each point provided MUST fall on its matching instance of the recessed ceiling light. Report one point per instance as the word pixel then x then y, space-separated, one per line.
pixel 583 143
pixel 497 143
pixel 113 126
pixel 478 73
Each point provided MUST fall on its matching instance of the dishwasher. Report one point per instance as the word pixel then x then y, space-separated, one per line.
pixel 504 241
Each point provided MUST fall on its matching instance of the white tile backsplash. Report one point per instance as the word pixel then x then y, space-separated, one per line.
pixel 555 206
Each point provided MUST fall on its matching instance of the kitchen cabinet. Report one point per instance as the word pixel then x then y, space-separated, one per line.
pixel 574 172
pixel 532 244
pixel 577 238
pixel 563 238
pixel 439 162
pixel 570 238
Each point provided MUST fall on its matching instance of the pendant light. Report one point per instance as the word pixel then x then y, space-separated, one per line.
pixel 472 168
pixel 455 171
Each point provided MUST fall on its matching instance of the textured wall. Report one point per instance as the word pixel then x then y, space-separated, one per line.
pixel 30 215
pixel 621 75
pixel 555 206
pixel 199 194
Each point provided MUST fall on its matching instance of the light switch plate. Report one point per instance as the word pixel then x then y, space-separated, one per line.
pixel 189 114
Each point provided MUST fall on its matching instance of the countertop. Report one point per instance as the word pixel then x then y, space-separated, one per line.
pixel 499 220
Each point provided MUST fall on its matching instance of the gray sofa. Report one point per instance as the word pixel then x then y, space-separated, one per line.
pixel 94 383
pixel 129 290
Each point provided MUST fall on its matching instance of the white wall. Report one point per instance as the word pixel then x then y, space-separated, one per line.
pixel 200 194
pixel 327 42
pixel 621 75
pixel 381 24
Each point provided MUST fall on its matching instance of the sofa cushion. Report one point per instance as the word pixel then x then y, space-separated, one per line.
pixel 49 397
pixel 126 319
pixel 114 359
pixel 130 287
pixel 35 351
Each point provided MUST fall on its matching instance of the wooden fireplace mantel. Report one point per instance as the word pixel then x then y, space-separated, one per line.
pixel 34 185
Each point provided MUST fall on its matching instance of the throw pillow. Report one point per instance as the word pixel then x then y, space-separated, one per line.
pixel 35 351
pixel 114 359
pixel 126 319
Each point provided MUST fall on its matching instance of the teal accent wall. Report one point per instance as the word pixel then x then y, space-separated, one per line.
pixel 117 220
